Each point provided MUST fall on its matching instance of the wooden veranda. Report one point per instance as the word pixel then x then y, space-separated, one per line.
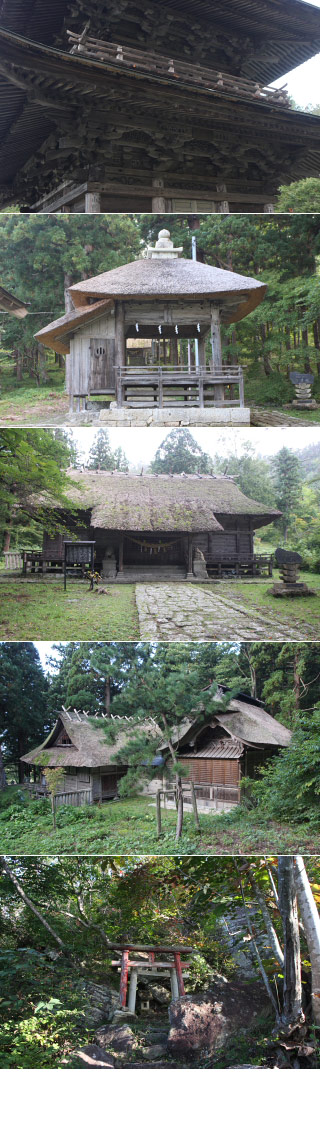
pixel 161 386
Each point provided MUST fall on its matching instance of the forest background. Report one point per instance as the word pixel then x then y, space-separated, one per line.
pixel 40 256
pixel 62 919
pixel 36 459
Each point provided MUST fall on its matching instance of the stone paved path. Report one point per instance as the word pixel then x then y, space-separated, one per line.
pixel 180 611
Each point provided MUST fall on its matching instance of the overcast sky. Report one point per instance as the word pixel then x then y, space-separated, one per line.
pixel 141 443
pixel 303 82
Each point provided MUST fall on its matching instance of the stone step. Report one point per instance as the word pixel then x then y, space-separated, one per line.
pixel 136 574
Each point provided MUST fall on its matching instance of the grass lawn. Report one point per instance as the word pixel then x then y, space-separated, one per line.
pixel 25 402
pixel 42 610
pixel 302 611
pixel 130 826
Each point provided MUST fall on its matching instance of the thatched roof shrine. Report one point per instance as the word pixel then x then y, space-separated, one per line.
pixel 119 501
pixel 217 752
pixel 89 745
pixel 87 131
pixel 175 278
pixel 151 281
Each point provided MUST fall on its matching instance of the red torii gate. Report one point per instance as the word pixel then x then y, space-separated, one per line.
pixel 173 966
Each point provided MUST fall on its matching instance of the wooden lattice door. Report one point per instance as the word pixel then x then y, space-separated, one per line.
pixel 102 371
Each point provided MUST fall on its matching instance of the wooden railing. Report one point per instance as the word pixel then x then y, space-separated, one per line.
pixel 159 386
pixel 252 565
pixel 102 51
pixel 74 798
pixel 218 793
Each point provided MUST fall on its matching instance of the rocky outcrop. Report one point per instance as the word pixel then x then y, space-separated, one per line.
pixel 117 1038
pixel 100 1003
pixel 92 1057
pixel 204 1021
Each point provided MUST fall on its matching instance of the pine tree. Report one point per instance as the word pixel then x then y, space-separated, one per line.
pixel 23 700
pixel 101 456
pixel 287 481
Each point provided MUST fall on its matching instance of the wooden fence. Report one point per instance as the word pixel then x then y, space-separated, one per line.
pixel 74 798
pixel 102 51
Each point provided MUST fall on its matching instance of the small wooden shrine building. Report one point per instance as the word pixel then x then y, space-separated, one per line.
pixel 233 744
pixel 186 525
pixel 79 746
pixel 172 301
pixel 9 304
pixel 217 753
pixel 132 106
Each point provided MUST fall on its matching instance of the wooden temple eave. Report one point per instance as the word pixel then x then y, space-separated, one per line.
pixel 144 135
pixel 268 39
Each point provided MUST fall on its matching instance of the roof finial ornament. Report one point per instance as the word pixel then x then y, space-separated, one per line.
pixel 164 248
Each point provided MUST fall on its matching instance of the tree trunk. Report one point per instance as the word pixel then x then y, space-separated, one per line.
pixel 19 365
pixel 31 905
pixel 178 781
pixel 316 338
pixel 107 700
pixel 6 540
pixel 179 808
pixel 292 989
pixel 3 778
pixel 256 953
pixel 68 305
pixel 296 680
pixel 271 933
pixel 311 922
pixel 53 809
pixel 21 751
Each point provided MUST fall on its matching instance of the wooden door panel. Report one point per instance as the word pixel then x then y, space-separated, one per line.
pixel 102 360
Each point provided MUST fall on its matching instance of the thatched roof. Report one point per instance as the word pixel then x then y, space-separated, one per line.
pixel 56 334
pixel 247 722
pixel 11 304
pixel 253 725
pixel 89 745
pixel 175 278
pixel 160 503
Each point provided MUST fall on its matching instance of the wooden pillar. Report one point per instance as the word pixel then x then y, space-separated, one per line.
pixel 175 357
pixel 120 347
pixel 223 206
pixel 124 978
pixel 177 965
pixel 121 554
pixel 202 351
pixel 189 355
pixel 174 985
pixel 132 990
pixel 120 334
pixel 158 200
pixel 190 555
pixel 216 351
pixel 158 809
pixel 92 202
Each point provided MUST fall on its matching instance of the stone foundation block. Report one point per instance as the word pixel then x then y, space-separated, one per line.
pixel 174 417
